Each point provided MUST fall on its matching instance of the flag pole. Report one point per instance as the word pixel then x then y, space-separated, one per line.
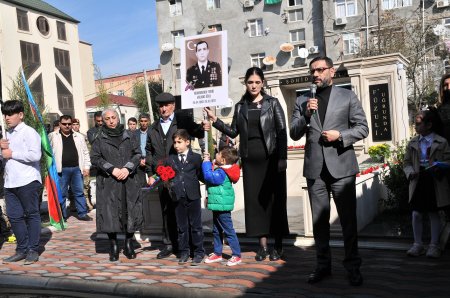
pixel 2 120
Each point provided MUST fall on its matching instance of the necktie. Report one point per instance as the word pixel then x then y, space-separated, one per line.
pixel 203 69
pixel 182 158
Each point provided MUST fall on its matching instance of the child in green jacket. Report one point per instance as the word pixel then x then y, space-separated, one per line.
pixel 221 202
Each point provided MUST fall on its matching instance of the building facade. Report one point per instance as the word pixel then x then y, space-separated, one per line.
pixel 45 42
pixel 122 85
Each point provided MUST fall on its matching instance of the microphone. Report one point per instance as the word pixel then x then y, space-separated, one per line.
pixel 313 89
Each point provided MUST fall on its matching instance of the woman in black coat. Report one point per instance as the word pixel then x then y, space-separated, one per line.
pixel 116 154
pixel 259 120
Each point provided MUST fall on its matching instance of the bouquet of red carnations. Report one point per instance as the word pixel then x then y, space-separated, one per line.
pixel 163 175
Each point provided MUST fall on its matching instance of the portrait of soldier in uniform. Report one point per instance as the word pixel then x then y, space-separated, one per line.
pixel 204 73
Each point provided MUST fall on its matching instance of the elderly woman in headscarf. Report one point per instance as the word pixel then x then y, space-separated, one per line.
pixel 116 154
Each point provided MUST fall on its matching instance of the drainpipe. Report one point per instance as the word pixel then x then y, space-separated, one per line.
pixel 367 24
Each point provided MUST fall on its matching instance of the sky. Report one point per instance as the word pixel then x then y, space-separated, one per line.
pixel 123 34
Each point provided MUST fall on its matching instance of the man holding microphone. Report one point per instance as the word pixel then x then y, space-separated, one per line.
pixel 332 122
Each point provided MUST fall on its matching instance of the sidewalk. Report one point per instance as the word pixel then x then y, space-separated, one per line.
pixel 74 264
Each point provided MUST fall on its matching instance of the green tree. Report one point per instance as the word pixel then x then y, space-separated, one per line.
pixel 102 94
pixel 140 96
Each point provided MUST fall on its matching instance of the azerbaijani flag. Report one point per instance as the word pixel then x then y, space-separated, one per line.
pixel 51 182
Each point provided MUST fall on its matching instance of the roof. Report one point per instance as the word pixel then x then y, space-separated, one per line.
pixel 113 99
pixel 43 7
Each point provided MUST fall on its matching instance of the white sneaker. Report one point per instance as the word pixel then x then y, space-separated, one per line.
pixel 416 250
pixel 213 258
pixel 433 251
pixel 235 260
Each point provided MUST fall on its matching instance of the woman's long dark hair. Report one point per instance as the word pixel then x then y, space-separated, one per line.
pixel 442 99
pixel 253 71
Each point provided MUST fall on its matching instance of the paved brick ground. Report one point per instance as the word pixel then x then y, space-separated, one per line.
pixel 74 262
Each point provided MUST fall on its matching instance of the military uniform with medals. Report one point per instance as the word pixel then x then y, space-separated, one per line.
pixel 211 76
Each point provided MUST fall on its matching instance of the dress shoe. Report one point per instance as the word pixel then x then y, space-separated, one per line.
pixel 318 274
pixel 354 277
pixel 85 218
pixel 32 257
pixel 15 258
pixel 165 253
pixel 197 260
pixel 261 254
pixel 276 254
pixel 183 259
pixel 128 250
pixel 113 250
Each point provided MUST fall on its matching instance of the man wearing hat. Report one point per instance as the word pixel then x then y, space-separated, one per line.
pixel 159 146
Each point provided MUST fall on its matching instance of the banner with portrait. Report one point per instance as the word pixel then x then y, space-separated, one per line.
pixel 204 70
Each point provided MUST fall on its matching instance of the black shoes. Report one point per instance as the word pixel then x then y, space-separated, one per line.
pixel 128 250
pixel 197 260
pixel 276 254
pixel 183 259
pixel 261 254
pixel 354 277
pixel 32 257
pixel 319 274
pixel 15 258
pixel 165 253
pixel 113 250
pixel 85 218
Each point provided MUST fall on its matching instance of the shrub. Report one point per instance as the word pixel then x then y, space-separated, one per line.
pixel 395 180
pixel 380 152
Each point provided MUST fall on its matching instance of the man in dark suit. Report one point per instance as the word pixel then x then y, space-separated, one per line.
pixel 332 123
pixel 159 147
pixel 204 73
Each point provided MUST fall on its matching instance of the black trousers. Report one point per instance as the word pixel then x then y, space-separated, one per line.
pixel 190 230
pixel 344 195
pixel 169 232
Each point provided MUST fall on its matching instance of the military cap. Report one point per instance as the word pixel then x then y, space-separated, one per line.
pixel 164 97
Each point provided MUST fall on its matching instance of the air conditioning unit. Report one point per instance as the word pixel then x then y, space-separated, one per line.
pixel 442 3
pixel 340 21
pixel 249 3
pixel 313 50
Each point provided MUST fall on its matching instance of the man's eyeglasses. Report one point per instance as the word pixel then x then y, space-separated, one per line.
pixel 320 70
pixel 65 124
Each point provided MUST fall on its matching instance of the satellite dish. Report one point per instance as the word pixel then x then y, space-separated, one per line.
pixel 439 30
pixel 286 47
pixel 167 46
pixel 303 53
pixel 269 60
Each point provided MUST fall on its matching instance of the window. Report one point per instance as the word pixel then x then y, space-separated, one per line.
pixel 175 8
pixel 296 51
pixel 42 25
pixel 351 43
pixel 30 57
pixel 177 71
pixel 120 92
pixel 212 4
pixel 295 15
pixel 36 89
pixel 256 27
pixel 256 59
pixel 65 98
pixel 61 28
pixel 345 8
pixel 295 2
pixel 176 37
pixel 446 22
pixel 390 4
pixel 297 35
pixel 215 28
pixel 62 63
pixel 22 20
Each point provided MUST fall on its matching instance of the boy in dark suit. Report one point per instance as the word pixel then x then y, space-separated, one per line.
pixel 185 192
